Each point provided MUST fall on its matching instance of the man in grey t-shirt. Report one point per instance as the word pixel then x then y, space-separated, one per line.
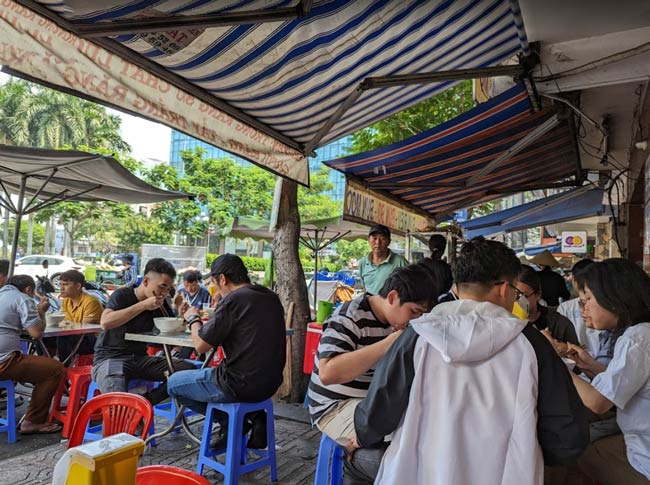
pixel 19 312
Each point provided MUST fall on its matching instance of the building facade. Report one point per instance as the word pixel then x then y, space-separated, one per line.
pixel 181 141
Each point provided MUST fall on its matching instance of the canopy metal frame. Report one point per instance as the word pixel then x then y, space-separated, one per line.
pixel 36 202
pixel 21 209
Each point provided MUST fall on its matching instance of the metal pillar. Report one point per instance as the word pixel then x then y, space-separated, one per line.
pixel 19 216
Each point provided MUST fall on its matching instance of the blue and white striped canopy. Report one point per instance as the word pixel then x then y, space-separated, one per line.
pixel 292 75
pixel 433 170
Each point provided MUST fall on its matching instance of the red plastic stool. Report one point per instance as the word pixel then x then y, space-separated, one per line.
pixel 163 475
pixel 79 378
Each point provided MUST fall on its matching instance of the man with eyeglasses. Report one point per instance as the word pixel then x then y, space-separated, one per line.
pixel 469 392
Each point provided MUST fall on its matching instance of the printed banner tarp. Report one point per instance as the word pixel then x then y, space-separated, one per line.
pixel 37 47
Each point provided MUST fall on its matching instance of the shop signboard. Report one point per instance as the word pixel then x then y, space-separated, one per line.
pixel 367 207
pixel 574 242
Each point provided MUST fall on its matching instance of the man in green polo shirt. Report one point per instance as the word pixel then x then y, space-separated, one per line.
pixel 380 262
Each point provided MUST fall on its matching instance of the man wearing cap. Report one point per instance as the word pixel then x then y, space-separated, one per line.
pixel 248 324
pixel 375 268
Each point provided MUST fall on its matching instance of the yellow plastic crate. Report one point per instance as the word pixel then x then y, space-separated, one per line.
pixel 109 461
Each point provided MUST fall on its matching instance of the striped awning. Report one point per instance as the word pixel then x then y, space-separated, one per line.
pixel 475 157
pixel 309 74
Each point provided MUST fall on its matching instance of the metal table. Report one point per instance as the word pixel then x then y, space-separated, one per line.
pixel 168 341
pixel 67 330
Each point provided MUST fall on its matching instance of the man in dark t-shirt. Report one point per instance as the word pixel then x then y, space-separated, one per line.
pixel 249 324
pixel 132 310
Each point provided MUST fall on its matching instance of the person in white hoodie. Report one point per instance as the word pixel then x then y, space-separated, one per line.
pixel 471 394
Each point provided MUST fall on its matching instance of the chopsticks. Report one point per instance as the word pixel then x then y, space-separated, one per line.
pixel 164 310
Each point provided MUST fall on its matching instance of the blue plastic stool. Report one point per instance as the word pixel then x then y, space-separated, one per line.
pixel 9 424
pixel 94 433
pixel 330 463
pixel 236 449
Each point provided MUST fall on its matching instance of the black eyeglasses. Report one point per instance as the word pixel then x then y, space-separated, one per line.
pixel 518 292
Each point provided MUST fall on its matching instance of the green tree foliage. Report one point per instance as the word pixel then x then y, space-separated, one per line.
pixel 225 189
pixel 421 117
pixel 352 250
pixel 138 230
pixel 32 115
pixel 222 186
pixel 38 236
pixel 312 201
pixel 100 222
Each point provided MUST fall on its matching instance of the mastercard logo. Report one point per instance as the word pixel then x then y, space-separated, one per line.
pixel 574 241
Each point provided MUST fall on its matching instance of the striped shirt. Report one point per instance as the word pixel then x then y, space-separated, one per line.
pixel 351 328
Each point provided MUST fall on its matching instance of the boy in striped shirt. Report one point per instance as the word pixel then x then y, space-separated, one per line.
pixel 354 339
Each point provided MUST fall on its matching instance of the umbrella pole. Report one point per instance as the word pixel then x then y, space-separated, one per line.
pixel 19 216
pixel 316 280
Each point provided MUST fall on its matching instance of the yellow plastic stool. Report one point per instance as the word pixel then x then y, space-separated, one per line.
pixel 109 461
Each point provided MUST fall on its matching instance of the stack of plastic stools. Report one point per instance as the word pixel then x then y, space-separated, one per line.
pixel 94 433
pixel 330 463
pixel 80 379
pixel 8 424
pixel 236 451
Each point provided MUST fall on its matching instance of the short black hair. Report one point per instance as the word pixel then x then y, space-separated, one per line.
pixel 4 267
pixel 22 282
pixel 73 276
pixel 484 262
pixel 413 284
pixel 622 288
pixel 192 276
pixel 581 265
pixel 437 246
pixel 579 271
pixel 530 277
pixel 440 275
pixel 160 266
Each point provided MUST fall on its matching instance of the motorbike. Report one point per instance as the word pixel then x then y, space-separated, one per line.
pixel 98 291
pixel 44 287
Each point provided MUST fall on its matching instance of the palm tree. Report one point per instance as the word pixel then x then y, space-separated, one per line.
pixel 32 115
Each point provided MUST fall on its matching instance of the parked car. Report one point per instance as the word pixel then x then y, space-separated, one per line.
pixel 33 266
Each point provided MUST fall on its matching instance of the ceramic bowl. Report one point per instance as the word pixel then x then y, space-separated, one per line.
pixel 168 324
pixel 54 319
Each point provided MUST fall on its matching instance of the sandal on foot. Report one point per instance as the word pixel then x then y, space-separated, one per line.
pixel 44 428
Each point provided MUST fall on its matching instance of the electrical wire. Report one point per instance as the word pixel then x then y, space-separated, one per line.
pixel 615 217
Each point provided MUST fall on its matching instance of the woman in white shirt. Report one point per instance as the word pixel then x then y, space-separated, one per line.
pixel 617 298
